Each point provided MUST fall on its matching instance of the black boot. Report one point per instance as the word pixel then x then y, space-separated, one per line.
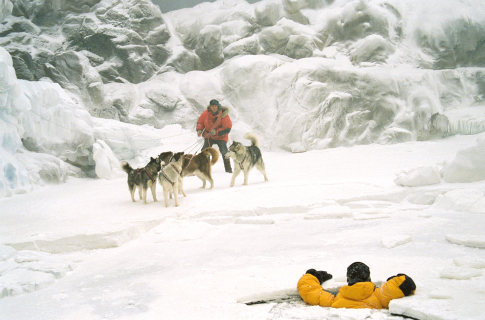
pixel 227 165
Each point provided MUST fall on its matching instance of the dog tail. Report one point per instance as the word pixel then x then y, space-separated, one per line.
pixel 126 167
pixel 253 137
pixel 213 153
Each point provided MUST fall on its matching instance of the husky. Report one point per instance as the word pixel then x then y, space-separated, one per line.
pixel 200 165
pixel 143 178
pixel 170 178
pixel 165 157
pixel 245 158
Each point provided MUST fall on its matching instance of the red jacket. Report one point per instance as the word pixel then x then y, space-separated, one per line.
pixel 206 122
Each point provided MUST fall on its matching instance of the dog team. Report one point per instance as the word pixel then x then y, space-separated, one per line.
pixel 170 168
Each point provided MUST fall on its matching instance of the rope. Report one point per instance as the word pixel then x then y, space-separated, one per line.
pixel 56 123
pixel 129 140
pixel 194 146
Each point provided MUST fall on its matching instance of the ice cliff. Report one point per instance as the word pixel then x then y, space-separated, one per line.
pixel 84 83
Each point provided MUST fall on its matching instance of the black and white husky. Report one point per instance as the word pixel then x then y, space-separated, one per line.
pixel 143 178
pixel 245 158
pixel 170 178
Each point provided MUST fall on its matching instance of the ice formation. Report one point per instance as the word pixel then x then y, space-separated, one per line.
pixel 304 75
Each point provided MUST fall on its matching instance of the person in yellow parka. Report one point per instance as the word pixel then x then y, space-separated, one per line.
pixel 360 291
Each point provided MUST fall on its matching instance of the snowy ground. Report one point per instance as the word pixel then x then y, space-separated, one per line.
pixel 83 250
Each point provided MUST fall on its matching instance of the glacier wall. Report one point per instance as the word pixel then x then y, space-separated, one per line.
pixel 87 82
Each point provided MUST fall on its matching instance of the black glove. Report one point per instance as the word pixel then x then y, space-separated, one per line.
pixel 408 286
pixel 322 276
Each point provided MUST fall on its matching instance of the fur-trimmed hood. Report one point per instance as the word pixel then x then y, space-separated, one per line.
pixel 225 111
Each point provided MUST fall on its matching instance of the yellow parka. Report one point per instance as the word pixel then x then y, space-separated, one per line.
pixel 358 296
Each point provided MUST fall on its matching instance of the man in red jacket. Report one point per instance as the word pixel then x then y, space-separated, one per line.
pixel 214 125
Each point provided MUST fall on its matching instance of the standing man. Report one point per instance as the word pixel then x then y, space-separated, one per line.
pixel 214 125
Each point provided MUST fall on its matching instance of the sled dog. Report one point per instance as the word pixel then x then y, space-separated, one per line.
pixel 165 157
pixel 143 178
pixel 245 158
pixel 200 165
pixel 170 178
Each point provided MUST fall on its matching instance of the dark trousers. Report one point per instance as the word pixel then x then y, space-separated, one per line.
pixel 220 143
pixel 222 149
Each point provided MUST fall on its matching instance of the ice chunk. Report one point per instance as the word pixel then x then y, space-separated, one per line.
pixel 440 294
pixel 329 212
pixel 470 262
pixel 7 252
pixel 467 166
pixel 470 200
pixel 107 165
pixel 460 273
pixel 420 176
pixel 20 281
pixel 468 240
pixel 394 241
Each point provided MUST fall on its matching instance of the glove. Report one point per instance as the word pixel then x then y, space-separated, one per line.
pixel 322 276
pixel 408 286
pixel 199 133
pixel 213 132
pixel 206 135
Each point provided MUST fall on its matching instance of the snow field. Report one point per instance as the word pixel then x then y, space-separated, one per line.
pixel 85 244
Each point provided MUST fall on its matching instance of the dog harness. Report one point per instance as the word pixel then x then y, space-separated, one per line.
pixel 143 169
pixel 241 163
pixel 190 161
pixel 167 178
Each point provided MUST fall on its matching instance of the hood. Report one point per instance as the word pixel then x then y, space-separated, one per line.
pixel 358 291
pixel 225 111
